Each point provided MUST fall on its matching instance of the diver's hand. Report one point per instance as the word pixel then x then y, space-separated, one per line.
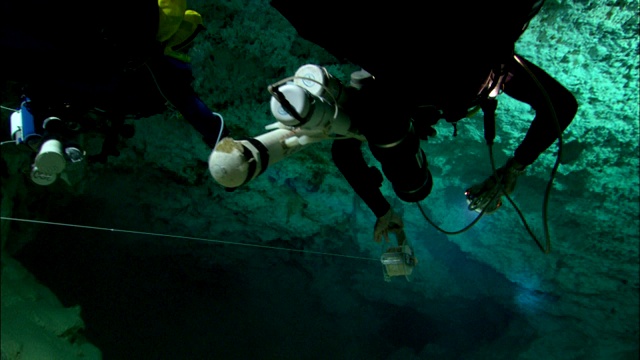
pixel 488 194
pixel 389 223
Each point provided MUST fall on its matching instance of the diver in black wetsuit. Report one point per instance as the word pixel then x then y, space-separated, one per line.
pixel 124 59
pixel 542 133
pixel 429 61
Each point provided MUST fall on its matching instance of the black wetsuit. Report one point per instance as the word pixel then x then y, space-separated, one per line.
pixel 348 156
pixel 436 54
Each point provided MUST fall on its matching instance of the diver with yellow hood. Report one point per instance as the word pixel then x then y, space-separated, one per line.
pixel 125 61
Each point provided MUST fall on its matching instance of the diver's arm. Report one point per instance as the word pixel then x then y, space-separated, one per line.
pixel 173 79
pixel 365 181
pixel 543 130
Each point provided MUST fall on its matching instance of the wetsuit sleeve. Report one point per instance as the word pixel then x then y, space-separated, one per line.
pixel 173 79
pixel 543 130
pixel 365 181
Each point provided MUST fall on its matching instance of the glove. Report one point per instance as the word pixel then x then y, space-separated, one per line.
pixel 487 195
pixel 389 223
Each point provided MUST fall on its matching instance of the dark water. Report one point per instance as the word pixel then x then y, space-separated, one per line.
pixel 144 298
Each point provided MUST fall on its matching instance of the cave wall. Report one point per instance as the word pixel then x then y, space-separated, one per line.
pixel 590 278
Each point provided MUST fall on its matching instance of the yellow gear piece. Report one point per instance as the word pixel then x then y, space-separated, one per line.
pixel 177 27
pixel 171 14
pixel 187 30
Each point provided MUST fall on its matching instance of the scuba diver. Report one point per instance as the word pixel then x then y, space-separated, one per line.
pixel 119 61
pixel 429 62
